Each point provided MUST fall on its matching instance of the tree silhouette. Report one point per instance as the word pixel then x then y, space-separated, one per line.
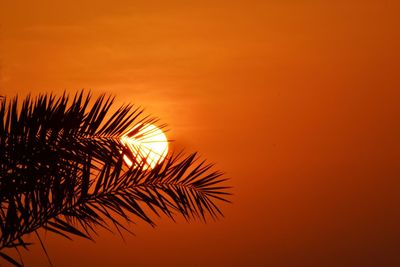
pixel 62 170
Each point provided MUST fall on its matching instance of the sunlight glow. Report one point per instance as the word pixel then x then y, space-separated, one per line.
pixel 149 144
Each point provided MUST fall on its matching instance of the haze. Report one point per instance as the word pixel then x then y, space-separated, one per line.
pixel 297 101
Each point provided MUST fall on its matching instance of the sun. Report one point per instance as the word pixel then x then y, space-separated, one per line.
pixel 148 143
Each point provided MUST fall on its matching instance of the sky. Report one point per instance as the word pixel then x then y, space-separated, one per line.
pixel 296 101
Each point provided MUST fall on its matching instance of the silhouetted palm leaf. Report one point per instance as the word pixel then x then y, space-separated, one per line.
pixel 62 169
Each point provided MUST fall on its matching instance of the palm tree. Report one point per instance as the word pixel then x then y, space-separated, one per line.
pixel 62 170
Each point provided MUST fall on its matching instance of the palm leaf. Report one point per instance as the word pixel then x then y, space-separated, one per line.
pixel 62 169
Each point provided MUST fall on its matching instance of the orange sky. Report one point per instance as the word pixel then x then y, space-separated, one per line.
pixel 297 101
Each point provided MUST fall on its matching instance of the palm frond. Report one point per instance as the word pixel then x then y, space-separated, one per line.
pixel 62 169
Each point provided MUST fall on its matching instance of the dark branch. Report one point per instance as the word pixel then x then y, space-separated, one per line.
pixel 62 169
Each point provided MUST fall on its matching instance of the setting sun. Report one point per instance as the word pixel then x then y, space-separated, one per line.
pixel 149 144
